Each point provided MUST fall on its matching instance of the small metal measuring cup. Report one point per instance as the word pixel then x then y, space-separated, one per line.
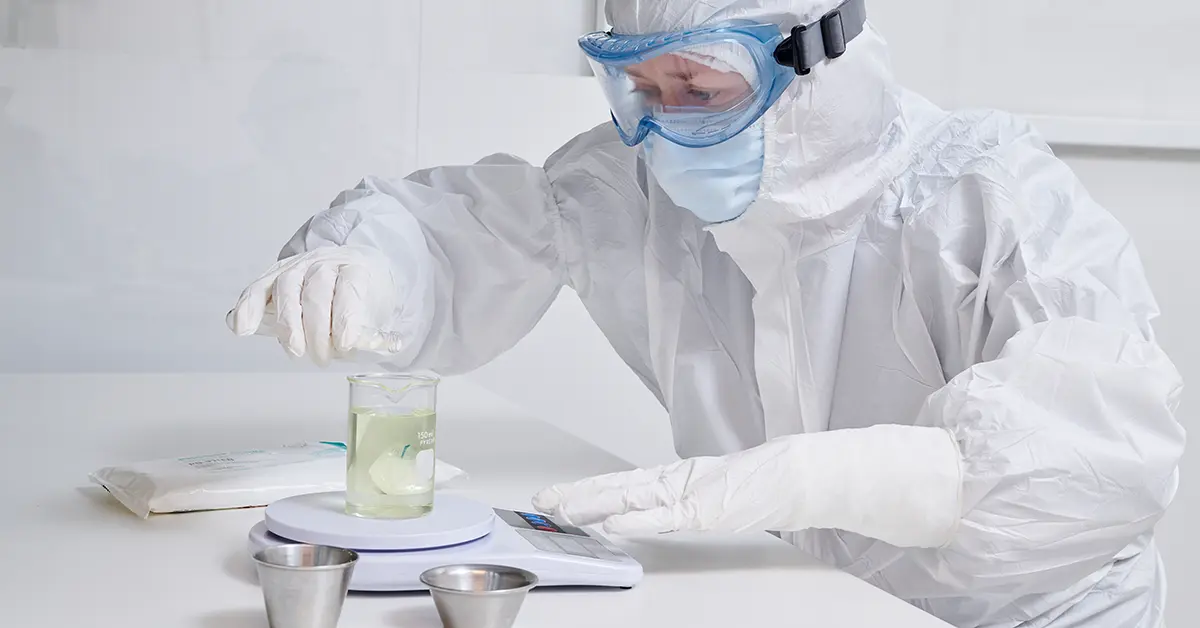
pixel 304 586
pixel 478 596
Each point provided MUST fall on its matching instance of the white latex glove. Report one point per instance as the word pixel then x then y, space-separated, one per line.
pixel 324 303
pixel 898 484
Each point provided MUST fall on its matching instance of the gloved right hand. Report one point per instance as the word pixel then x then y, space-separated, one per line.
pixel 900 484
pixel 324 303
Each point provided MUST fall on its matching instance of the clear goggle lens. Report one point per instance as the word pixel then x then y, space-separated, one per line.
pixel 696 95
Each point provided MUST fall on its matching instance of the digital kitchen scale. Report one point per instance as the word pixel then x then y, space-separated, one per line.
pixel 394 553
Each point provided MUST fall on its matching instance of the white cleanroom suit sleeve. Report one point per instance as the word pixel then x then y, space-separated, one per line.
pixel 491 233
pixel 1070 452
pixel 1066 417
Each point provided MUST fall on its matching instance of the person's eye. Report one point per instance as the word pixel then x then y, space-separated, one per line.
pixel 702 95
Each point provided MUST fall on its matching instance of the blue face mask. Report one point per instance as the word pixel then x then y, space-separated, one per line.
pixel 716 183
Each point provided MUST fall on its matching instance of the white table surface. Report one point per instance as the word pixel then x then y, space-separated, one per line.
pixel 74 557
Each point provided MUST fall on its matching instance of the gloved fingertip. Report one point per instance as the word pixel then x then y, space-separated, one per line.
pixel 295 344
pixel 245 323
pixel 547 501
pixel 234 320
pixel 283 344
pixel 345 336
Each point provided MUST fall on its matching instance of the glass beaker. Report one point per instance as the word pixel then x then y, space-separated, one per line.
pixel 390 450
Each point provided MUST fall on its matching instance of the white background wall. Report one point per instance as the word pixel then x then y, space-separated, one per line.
pixel 155 154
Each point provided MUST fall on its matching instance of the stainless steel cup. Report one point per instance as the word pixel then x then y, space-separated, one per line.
pixel 478 596
pixel 304 586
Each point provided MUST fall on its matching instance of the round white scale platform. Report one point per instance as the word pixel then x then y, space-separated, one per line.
pixel 394 553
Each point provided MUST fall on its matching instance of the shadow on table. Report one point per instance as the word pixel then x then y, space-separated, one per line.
pixel 693 553
pixel 233 618
pixel 239 566
pixel 102 499
pixel 421 616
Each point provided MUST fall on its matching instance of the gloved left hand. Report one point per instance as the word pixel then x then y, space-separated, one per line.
pixel 898 484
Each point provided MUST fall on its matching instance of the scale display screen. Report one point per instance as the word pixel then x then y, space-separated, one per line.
pixel 547 535
pixel 541 523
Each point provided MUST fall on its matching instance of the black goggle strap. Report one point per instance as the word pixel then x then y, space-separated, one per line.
pixel 826 38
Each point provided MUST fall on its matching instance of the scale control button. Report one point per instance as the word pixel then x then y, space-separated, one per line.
pixel 574 548
pixel 541 541
pixel 618 554
pixel 601 551
pixel 560 544
pixel 582 548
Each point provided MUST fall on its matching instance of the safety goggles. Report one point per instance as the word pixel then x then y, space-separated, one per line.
pixel 702 86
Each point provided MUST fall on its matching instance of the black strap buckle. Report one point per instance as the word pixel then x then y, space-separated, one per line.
pixel 791 52
pixel 833 34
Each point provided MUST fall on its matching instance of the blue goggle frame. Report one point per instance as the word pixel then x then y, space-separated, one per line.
pixel 696 129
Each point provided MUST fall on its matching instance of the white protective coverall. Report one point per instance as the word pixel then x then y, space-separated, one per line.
pixel 941 274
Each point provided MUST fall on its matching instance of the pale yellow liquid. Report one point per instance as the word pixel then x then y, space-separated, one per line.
pixel 390 464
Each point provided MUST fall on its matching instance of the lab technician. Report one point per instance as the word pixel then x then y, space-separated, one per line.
pixel 908 339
